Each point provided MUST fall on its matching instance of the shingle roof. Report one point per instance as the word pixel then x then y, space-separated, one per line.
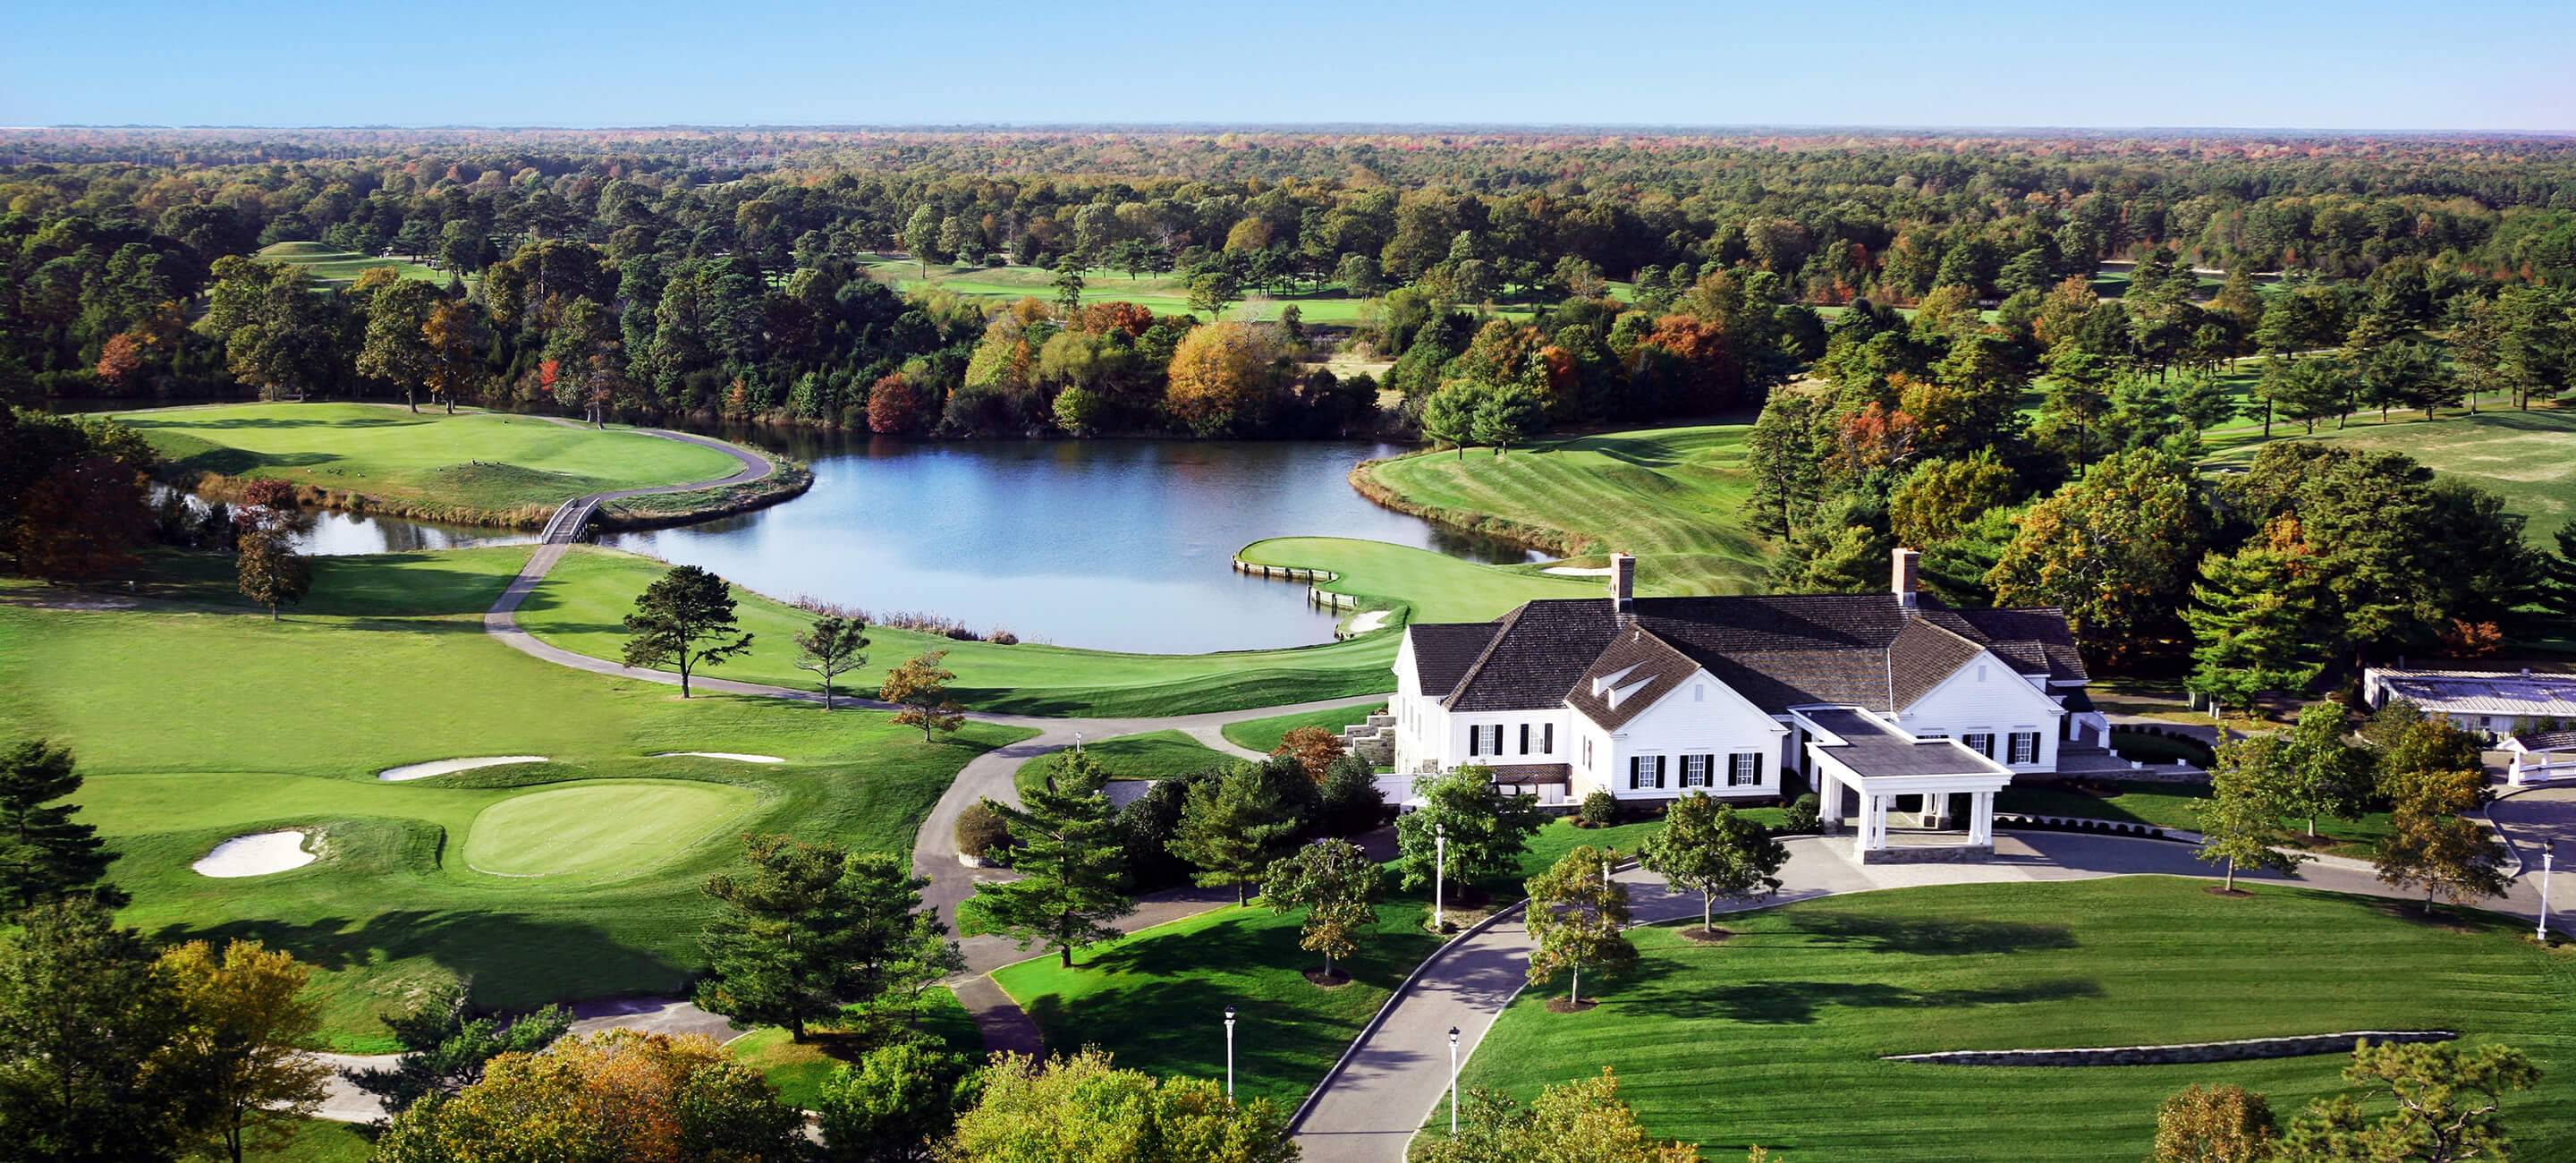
pixel 1871 750
pixel 1779 651
pixel 1633 674
pixel 2545 741
pixel 1442 651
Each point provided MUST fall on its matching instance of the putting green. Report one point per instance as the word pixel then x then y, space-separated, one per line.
pixel 600 829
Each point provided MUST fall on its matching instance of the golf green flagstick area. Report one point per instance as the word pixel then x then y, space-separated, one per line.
pixel 589 864
pixel 1775 1036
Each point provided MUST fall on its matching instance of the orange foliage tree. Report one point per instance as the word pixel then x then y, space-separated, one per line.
pixel 899 407
pixel 1223 376
pixel 621 1096
pixel 1315 749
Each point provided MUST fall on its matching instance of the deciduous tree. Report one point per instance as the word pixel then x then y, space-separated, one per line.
pixel 2219 1124
pixel 1083 1107
pixel 246 1040
pixel 1338 886
pixel 2240 823
pixel 1581 1121
pixel 87 1024
pixel 832 646
pixel 612 1097
pixel 1486 829
pixel 1315 749
pixel 1709 848
pixel 893 1104
pixel 684 620
pixel 2114 549
pixel 1579 917
pixel 269 571
pixel 920 688
pixel 1223 377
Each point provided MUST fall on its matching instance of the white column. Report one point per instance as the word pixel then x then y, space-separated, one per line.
pixel 1830 791
pixel 2513 775
pixel 1981 819
pixel 1873 814
pixel 1936 809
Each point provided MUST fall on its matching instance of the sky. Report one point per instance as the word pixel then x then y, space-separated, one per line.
pixel 2503 65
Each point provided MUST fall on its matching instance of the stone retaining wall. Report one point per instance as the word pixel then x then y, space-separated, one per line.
pixel 1928 854
pixel 2185 1053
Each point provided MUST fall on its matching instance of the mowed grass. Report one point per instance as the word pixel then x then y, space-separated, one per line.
pixel 2521 455
pixel 603 829
pixel 195 719
pixel 1263 735
pixel 335 268
pixel 583 601
pixel 1428 586
pixel 470 466
pixel 1157 999
pixel 799 1070
pixel 1675 497
pixel 1154 755
pixel 1775 1036
pixel 1163 294
pixel 2169 805
pixel 321 1141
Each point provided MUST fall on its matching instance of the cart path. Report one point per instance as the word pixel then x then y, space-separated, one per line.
pixel 1395 1076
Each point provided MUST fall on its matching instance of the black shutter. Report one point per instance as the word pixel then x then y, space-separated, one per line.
pixel 1757 769
pixel 1524 738
pixel 1547 739
pixel 1659 773
pixel 1636 772
pixel 1475 740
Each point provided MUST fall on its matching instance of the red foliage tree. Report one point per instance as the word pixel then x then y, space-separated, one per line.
pixel 120 362
pixel 83 523
pixel 899 407
pixel 1102 318
pixel 1315 748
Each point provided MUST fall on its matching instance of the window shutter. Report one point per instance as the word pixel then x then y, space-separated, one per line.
pixel 1525 738
pixel 1475 740
pixel 1757 769
pixel 1659 772
pixel 1547 739
pixel 1636 772
pixel 1498 739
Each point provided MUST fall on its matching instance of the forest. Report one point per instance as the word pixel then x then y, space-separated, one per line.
pixel 1533 279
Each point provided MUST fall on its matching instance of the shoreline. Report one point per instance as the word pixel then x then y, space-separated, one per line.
pixel 1560 543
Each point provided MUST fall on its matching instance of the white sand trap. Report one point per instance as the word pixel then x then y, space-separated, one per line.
pixel 736 756
pixel 451 766
pixel 1575 571
pixel 1372 620
pixel 257 854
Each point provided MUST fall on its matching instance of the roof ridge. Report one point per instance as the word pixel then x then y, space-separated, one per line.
pixel 1503 630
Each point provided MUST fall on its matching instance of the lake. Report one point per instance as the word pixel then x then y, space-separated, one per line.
pixel 1105 544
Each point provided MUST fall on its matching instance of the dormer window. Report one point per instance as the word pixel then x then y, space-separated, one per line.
pixel 1699 694
pixel 1607 681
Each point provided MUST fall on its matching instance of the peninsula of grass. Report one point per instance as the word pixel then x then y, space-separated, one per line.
pixel 1675 497
pixel 333 268
pixel 1775 1037
pixel 1157 999
pixel 472 468
pixel 1263 735
pixel 1431 587
pixel 582 603
pixel 1154 755
pixel 196 719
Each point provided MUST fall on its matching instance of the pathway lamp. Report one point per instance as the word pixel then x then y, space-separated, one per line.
pixel 1453 1082
pixel 2548 854
pixel 1439 876
pixel 1229 1055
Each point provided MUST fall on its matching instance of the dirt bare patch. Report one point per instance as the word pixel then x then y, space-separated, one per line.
pixel 2223 890
pixel 1559 1005
pixel 1328 978
pixel 1702 936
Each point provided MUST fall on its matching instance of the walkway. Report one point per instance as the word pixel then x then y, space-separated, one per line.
pixel 1396 1074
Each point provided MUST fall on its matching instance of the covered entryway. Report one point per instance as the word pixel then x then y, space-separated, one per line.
pixel 1872 770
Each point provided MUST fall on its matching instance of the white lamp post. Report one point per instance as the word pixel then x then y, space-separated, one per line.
pixel 1077 742
pixel 1439 875
pixel 2547 855
pixel 1229 1054
pixel 1453 1082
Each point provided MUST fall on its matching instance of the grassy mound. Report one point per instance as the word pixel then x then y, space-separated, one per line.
pixel 475 467
pixel 2520 455
pixel 1434 586
pixel 581 604
pixel 1673 496
pixel 1155 755
pixel 195 719
pixel 1787 1020
pixel 1263 735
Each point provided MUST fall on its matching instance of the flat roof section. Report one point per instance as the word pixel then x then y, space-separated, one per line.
pixel 1870 748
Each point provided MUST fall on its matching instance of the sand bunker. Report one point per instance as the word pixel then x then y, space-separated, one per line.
pixel 1370 621
pixel 451 766
pixel 1575 571
pixel 257 854
pixel 736 756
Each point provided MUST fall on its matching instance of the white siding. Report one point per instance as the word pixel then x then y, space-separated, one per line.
pixel 1988 697
pixel 1718 722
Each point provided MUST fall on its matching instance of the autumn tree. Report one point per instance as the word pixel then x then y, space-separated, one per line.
pixel 454 337
pixel 397 345
pixel 1315 749
pixel 1223 377
pixel 832 646
pixel 2219 1124
pixel 1579 917
pixel 1084 1107
pixel 120 361
pixel 1940 497
pixel 1232 828
pixel 1710 848
pixel 900 405
pixel 87 1030
pixel 81 522
pixel 1072 865
pixel 246 1040
pixel 446 1046
pixel 44 854
pixel 1582 1121
pixel 611 1097
pixel 2113 549
pixel 684 620
pixel 1338 886
pixel 269 571
pixel 919 688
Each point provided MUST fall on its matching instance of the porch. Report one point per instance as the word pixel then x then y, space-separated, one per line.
pixel 1904 795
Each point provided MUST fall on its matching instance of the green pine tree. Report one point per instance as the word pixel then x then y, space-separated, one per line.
pixel 1073 870
pixel 1232 828
pixel 43 854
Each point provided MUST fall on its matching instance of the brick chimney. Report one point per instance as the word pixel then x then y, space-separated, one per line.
pixel 1903 576
pixel 1623 582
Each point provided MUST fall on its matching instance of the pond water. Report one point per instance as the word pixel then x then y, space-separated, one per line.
pixel 1106 544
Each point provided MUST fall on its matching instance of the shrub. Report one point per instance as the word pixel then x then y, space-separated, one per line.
pixel 980 830
pixel 1805 814
pixel 1600 810
pixel 1352 802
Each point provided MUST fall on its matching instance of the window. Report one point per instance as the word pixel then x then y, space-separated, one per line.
pixel 2025 747
pixel 1547 739
pixel 1645 771
pixel 1525 738
pixel 1981 742
pixel 1744 769
pixel 1695 771
pixel 1699 694
pixel 1587 753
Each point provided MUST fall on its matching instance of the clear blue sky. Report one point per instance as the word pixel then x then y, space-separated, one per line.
pixel 2240 63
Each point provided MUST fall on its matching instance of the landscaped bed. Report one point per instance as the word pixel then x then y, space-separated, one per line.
pixel 1775 1036
pixel 2170 805
pixel 1156 755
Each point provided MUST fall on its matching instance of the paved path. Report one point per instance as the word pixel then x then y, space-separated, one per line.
pixel 1396 1074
